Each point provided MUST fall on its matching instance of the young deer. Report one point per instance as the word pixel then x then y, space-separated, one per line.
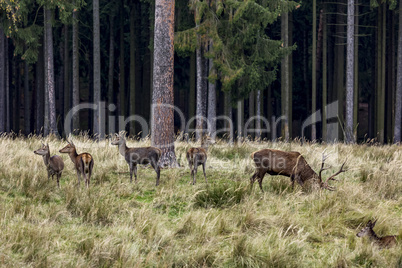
pixel 141 155
pixel 198 156
pixel 289 164
pixel 83 163
pixel 383 242
pixel 54 164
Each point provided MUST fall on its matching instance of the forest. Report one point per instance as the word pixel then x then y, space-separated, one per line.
pixel 317 70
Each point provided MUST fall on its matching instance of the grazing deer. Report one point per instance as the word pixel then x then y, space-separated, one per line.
pixel 198 156
pixel 83 163
pixel 141 155
pixel 54 164
pixel 383 242
pixel 289 164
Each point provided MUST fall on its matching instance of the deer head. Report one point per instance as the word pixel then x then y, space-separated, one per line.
pixel 325 184
pixel 70 147
pixel 368 229
pixel 118 139
pixel 44 150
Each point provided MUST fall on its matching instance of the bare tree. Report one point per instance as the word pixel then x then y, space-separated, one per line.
pixel 76 71
pixel 97 71
pixel 285 85
pixel 211 102
pixel 162 97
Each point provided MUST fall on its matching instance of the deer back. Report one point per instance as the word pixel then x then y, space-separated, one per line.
pixel 142 155
pixel 276 162
pixel 56 163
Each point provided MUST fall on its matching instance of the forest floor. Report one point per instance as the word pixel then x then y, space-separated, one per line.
pixel 122 224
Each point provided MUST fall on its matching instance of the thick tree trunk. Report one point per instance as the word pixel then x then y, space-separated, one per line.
pixel 381 38
pixel 314 73
pixel 98 125
pixel 211 103
pixel 339 55
pixel 162 98
pixel 110 98
pixel 46 125
pixel 285 90
pixel 350 72
pixel 50 72
pixel 193 81
pixel 398 97
pixel 27 100
pixel 132 66
pixel 201 94
pixel 2 82
pixel 356 72
pixel 76 73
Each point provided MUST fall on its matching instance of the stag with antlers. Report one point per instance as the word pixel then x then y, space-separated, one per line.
pixel 289 164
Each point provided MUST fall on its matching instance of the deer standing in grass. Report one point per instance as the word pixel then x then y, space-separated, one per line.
pixel 383 242
pixel 54 164
pixel 140 155
pixel 83 163
pixel 198 156
pixel 289 164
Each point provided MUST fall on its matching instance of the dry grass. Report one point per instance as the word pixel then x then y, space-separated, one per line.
pixel 116 223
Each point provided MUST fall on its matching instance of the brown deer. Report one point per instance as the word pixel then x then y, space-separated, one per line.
pixel 54 164
pixel 141 155
pixel 83 163
pixel 198 156
pixel 289 164
pixel 383 242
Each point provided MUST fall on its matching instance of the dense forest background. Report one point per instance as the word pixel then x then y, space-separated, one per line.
pixel 235 58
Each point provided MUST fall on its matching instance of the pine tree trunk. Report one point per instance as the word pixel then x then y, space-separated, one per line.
pixel 350 43
pixel 340 63
pixel 67 93
pixel 76 73
pixel 201 94
pixel 132 65
pixel 27 109
pixel 60 76
pixel 162 98
pixel 122 76
pixel 50 72
pixel 314 73
pixel 98 125
pixel 356 72
pixel 46 125
pixel 380 117
pixel 2 82
pixel 7 87
pixel 285 77
pixel 251 113
pixel 211 102
pixel 40 94
pixel 258 114
pixel 193 81
pixel 110 98
pixel 398 96
pixel 228 114
pixel 240 120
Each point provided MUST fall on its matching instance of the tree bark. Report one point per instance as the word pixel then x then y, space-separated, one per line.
pixel 40 88
pixel 2 82
pixel 258 114
pixel 211 102
pixel 314 73
pixel 27 109
pixel 76 72
pixel 50 72
pixel 381 36
pixel 285 76
pixel 201 93
pixel 339 63
pixel 98 128
pixel 193 81
pixel 251 111
pixel 240 120
pixel 122 76
pixel 67 93
pixel 132 65
pixel 324 76
pixel 356 72
pixel 162 97
pixel 110 98
pixel 398 97
pixel 350 43
pixel 7 87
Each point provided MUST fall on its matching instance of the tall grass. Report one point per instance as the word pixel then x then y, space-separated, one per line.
pixel 224 223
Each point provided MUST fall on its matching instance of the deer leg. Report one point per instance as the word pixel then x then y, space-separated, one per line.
pixel 131 165
pixel 157 170
pixel 252 179
pixel 91 166
pixel 78 177
pixel 195 173
pixel 205 175
pixel 135 172
pixel 260 182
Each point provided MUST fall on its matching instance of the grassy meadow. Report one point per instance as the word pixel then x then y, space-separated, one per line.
pixel 224 224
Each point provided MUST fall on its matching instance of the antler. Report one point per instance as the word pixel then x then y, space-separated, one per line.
pixel 324 157
pixel 332 178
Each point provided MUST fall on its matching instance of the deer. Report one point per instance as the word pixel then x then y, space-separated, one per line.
pixel 83 163
pixel 139 155
pixel 289 164
pixel 54 164
pixel 198 156
pixel 383 242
